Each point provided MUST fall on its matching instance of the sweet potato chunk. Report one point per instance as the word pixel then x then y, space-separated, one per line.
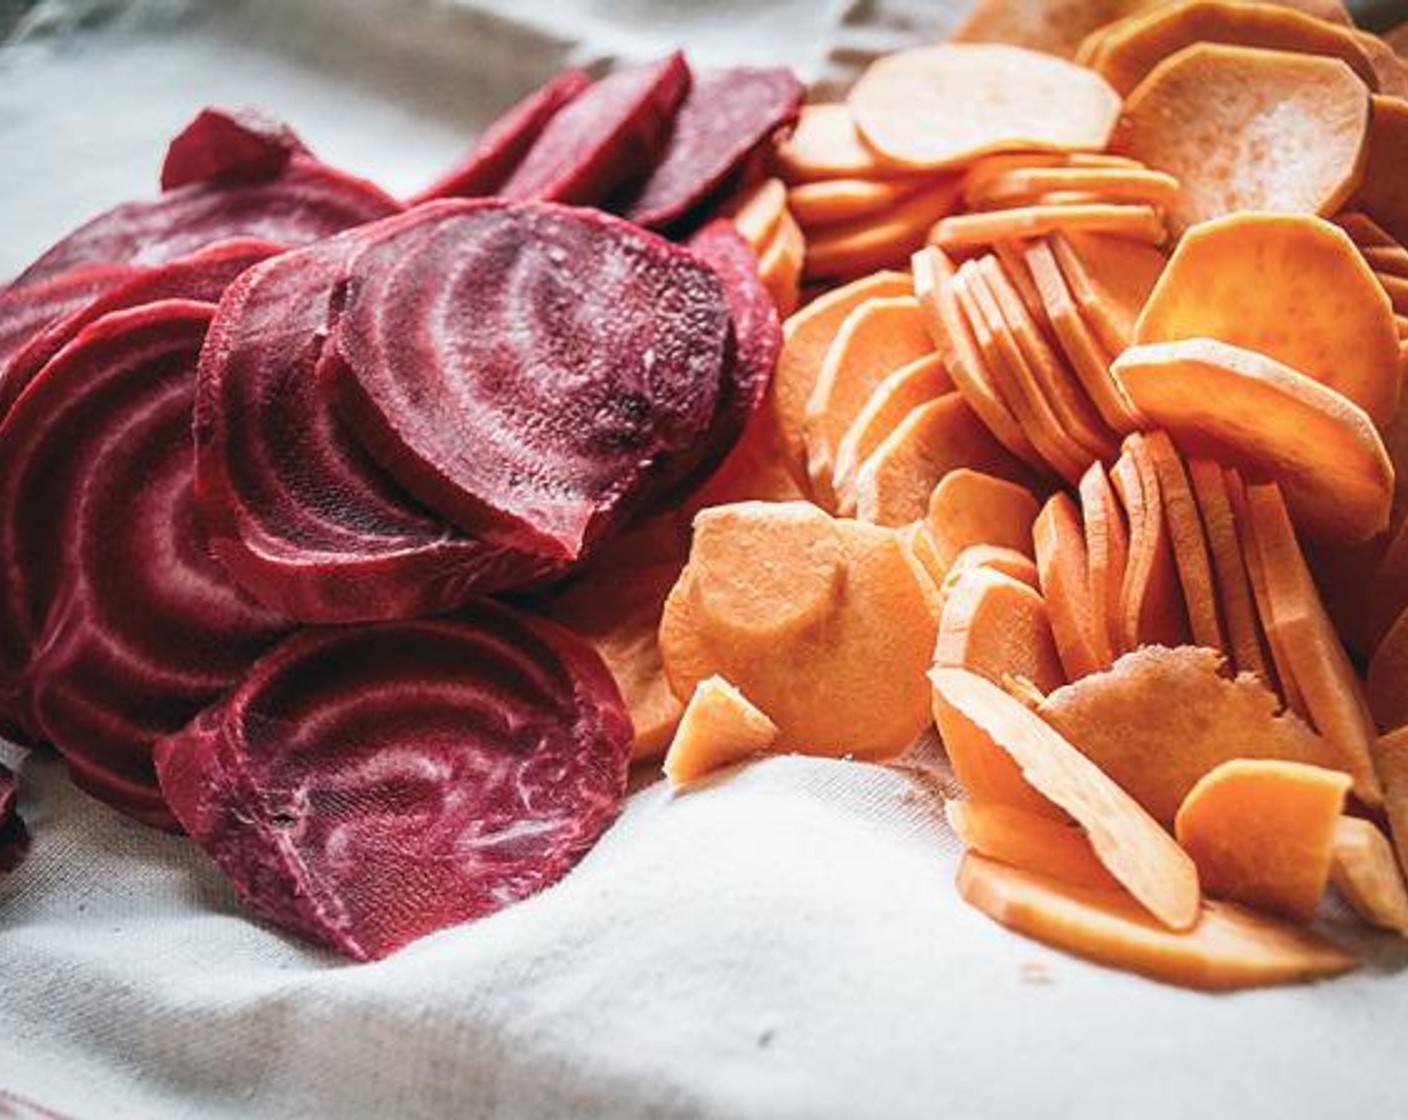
pixel 1134 848
pixel 719 727
pixel 1224 121
pixel 997 627
pixel 1262 832
pixel 1029 841
pixel 1158 749
pixel 1364 870
pixel 1384 192
pixel 843 251
pixel 1063 566
pixel 1012 99
pixel 1228 948
pixel 1291 286
pixel 970 508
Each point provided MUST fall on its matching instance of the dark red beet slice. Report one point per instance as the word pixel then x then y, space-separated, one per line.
pixel 116 623
pixel 727 114
pixel 202 276
pixel 529 370
pixel 292 505
pixel 229 145
pixel 25 311
pixel 366 786
pixel 14 837
pixel 606 140
pixel 502 146
pixel 307 201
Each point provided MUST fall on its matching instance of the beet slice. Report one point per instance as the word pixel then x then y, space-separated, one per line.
pixel 529 370
pixel 501 148
pixel 726 116
pixel 229 145
pixel 26 311
pixel 366 786
pixel 293 507
pixel 14 837
pixel 116 623
pixel 607 139
pixel 202 276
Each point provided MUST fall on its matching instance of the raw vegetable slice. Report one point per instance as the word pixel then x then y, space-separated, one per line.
pixel 1390 753
pixel 606 139
pixel 1134 848
pixel 1151 599
pixel 826 145
pixel 1222 119
pixel 1025 186
pixel 222 145
pixel 364 787
pixel 999 628
pixel 831 202
pixel 1008 561
pixel 1228 948
pixel 1363 230
pixel 501 147
pixel 758 212
pixel 1365 872
pixel 25 312
pixel 1383 194
pixel 969 231
pixel 1065 584
pixel 1107 557
pixel 904 104
pixel 570 425
pixel 1052 26
pixel 970 508
pixel 1386 686
pixel 1389 259
pixel 1262 833
pixel 1028 840
pixel 1188 542
pixel 1110 278
pixel 843 251
pixel 781 264
pixel 1246 278
pixel 1249 411
pixel 719 727
pixel 725 116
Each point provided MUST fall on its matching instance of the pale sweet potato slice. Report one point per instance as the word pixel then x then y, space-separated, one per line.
pixel 1161 718
pixel 757 212
pixel 1051 26
pixel 719 727
pixel 1262 832
pixel 1151 599
pixel 1026 185
pixel 829 202
pixel 878 337
pixel 1383 194
pixel 1247 129
pixel 840 252
pixel 826 145
pixel 894 483
pixel 1008 561
pixel 1063 568
pixel 1107 557
pixel 1247 410
pixel 997 627
pixel 1227 949
pixel 1133 847
pixel 1029 841
pixel 1365 871
pixel 1012 99
pixel 969 508
pixel 1386 685
pixel 972 231
pixel 807 337
pixel 1291 286
pixel 1110 278
pixel 1189 543
pixel 781 263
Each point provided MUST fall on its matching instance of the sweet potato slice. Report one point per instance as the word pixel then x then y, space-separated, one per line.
pixel 1365 871
pixel 1390 753
pixel 1383 194
pixel 1029 841
pixel 1363 230
pixel 1228 948
pixel 1063 567
pixel 1223 119
pixel 1027 185
pixel 1013 99
pixel 719 728
pixel 893 485
pixel 887 241
pixel 1134 848
pixel 969 231
pixel 1189 542
pixel 1107 557
pixel 1110 278
pixel 1386 686
pixel 1244 278
pixel 1390 259
pixel 1158 749
pixel 1396 288
pixel 781 263
pixel 829 202
pixel 806 339
pixel 757 213
pixel 969 508
pixel 1247 410
pixel 1262 832
pixel 1151 600
pixel 1008 561
pixel 1051 26
pixel 826 145
pixel 997 627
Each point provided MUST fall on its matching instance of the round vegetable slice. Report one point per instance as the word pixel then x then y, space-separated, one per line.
pixel 1247 129
pixel 1384 192
pixel 1053 26
pixel 941 106
pixel 222 145
pixel 364 787
pixel 825 145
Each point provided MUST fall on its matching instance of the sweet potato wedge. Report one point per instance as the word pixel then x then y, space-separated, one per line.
pixel 1063 567
pixel 840 252
pixel 969 508
pixel 1028 841
pixel 1365 871
pixel 997 627
pixel 719 727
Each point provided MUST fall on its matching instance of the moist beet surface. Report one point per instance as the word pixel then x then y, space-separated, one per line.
pixel 25 312
pixel 116 624
pixel 366 786
pixel 606 140
pixel 229 146
pixel 727 115
pixel 530 371
pixel 501 148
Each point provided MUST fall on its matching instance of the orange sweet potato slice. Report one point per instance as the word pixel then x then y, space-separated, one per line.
pixel 1365 871
pixel 806 338
pixel 757 213
pixel 1107 556
pixel 1363 230
pixel 1131 50
pixel 1110 278
pixel 1161 718
pixel 894 483
pixel 835 659
pixel 1133 847
pixel 1051 26
pixel 1151 599
pixel 972 231
pixel 1389 69
pixel 1390 754
pixel 1247 410
pixel 826 145
pixel 1227 949
pixel 969 508
pixel 719 727
pixel 1010 562
pixel 934 276
pixel 1390 259
pixel 1245 278
pixel 883 241
pixel 1012 98
pixel 1396 289
pixel 997 627
pixel 877 338
pixel 1063 568
pixel 1314 656
pixel 1029 841
pixel 1222 120
pixel 830 202
pixel 1386 686
pixel 1262 832
pixel 781 263
pixel 1383 194
pixel 1026 185
pixel 1189 542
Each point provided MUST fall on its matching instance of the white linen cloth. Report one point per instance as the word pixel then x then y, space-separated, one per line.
pixel 785 942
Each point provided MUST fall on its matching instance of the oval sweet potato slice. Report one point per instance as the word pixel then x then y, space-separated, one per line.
pixel 843 251
pixel 1107 557
pixel 970 508
pixel 1386 685
pixel 831 202
pixel 999 628
pixel 1029 841
pixel 1051 26
pixel 781 264
pixel 968 231
pixel 1063 567
pixel 1110 279
pixel 719 727
pixel 1365 872
pixel 826 145
pixel 757 212
pixel 1222 120
pixel 1383 194
pixel 1151 599
pixel 1188 542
